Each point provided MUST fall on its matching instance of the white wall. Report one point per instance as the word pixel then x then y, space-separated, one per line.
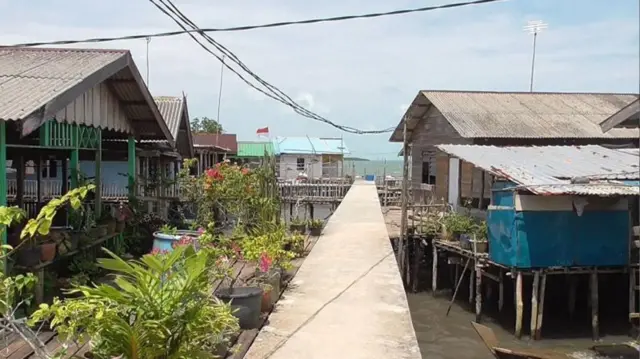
pixel 288 166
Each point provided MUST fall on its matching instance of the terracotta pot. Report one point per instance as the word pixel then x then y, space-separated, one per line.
pixel 120 225
pixel 29 256
pixel 47 251
pixel 266 301
pixel 315 231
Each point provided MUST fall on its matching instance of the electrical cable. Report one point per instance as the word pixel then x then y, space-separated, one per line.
pixel 275 93
pixel 262 26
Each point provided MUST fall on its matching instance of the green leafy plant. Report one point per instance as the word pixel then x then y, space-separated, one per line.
pixel 167 229
pixel 160 306
pixel 480 231
pixel 269 246
pixel 297 221
pixel 457 224
pixel 315 223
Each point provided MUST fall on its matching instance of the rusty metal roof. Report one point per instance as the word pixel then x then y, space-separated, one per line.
pixel 224 141
pixel 36 83
pixel 523 114
pixel 550 170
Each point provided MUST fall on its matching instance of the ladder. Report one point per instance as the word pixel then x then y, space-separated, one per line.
pixel 634 277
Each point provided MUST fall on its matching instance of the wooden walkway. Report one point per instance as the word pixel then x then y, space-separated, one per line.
pixel 347 300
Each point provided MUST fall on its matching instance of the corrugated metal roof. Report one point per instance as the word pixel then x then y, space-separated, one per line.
pixel 171 109
pixel 310 145
pixel 524 114
pixel 226 141
pixel 549 170
pixel 32 79
pixel 254 149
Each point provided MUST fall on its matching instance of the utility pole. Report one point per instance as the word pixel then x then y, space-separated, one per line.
pixel 148 39
pixel 534 27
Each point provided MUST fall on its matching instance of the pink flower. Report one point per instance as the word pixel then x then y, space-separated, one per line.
pixel 200 230
pixel 265 263
pixel 245 171
pixel 183 241
pixel 157 251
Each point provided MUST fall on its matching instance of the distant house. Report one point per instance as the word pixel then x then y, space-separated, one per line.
pixel 503 119
pixel 211 148
pixel 251 152
pixel 309 156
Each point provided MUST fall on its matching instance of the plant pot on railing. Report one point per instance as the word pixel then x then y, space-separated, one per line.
pixel 465 242
pixel 480 246
pixel 47 251
pixel 298 228
pixel 246 301
pixel 28 256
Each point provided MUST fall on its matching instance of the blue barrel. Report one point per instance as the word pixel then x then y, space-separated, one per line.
pixel 369 177
pixel 164 242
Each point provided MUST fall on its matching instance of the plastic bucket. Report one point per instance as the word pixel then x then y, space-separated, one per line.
pixel 370 178
pixel 247 302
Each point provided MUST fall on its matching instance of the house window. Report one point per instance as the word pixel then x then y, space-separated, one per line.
pixel 300 164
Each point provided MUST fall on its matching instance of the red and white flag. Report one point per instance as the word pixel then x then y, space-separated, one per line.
pixel 264 131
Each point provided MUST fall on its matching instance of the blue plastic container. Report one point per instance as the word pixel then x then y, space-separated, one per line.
pixel 370 178
pixel 164 242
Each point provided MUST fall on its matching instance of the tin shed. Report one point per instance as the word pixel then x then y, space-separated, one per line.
pixel 556 206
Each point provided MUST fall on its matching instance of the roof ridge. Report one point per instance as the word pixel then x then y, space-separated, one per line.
pixel 60 49
pixel 531 93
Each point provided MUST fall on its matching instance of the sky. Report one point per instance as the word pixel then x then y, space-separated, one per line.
pixel 360 73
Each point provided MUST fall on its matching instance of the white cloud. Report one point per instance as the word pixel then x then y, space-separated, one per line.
pixel 354 72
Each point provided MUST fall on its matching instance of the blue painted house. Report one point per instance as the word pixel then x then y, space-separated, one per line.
pixel 556 206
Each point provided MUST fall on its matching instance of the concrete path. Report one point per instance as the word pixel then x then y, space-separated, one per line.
pixel 347 300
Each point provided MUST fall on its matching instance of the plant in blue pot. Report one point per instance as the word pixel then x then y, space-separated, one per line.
pixel 165 239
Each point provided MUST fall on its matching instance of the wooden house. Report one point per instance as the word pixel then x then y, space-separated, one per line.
pixel 502 119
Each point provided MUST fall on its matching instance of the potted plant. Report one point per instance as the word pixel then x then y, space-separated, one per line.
pixel 480 243
pixel 456 224
pixel 315 227
pixel 298 225
pixel 167 237
pixel 296 243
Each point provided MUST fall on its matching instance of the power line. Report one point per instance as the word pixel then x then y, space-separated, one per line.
pixel 275 93
pixel 262 26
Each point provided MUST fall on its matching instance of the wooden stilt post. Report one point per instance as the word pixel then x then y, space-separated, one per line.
pixel 594 305
pixel 519 305
pixel 405 198
pixel 471 284
pixel 573 288
pixel 632 292
pixel 311 210
pixel 3 181
pixel 478 291
pixel 534 302
pixel 500 290
pixel 418 252
pixel 131 158
pixel 98 176
pixel 543 288
pixel 434 269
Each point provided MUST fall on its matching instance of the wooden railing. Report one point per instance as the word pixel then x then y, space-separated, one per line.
pixel 53 188
pixel 313 192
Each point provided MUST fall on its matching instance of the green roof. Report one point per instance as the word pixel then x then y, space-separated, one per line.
pixel 254 149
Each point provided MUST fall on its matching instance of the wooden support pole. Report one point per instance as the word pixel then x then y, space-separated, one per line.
pixel 471 285
pixel 519 305
pixel 573 288
pixel 543 289
pixel 98 177
pixel 455 291
pixel 405 199
pixel 131 158
pixel 418 253
pixel 39 183
pixel 594 305
pixel 478 291
pixel 501 290
pixel 633 283
pixel 3 178
pixel 74 159
pixel 311 210
pixel 434 269
pixel 534 302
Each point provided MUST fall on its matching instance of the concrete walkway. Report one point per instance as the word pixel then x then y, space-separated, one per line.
pixel 347 300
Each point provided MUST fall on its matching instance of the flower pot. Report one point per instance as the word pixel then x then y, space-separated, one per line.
pixel 274 280
pixel 111 226
pixel 247 301
pixel 47 251
pixel 299 228
pixel 267 301
pixel 481 246
pixel 163 242
pixel 315 231
pixel 120 225
pixel 29 256
pixel 465 242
